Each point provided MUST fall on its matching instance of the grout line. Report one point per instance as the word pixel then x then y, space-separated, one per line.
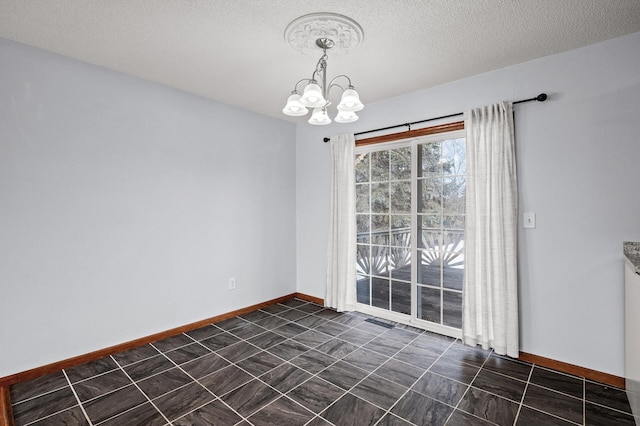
pixel 282 395
pixel 541 367
pixel 465 384
pixel 48 416
pixel 134 362
pixel 77 398
pixel 608 407
pixel 207 389
pixel 584 401
pixel 93 377
pixel 104 394
pixel 370 373
pixel 526 387
pixel 260 380
pixel 140 390
pixel 469 387
pixel 64 409
pixel 312 375
pixel 553 415
pixel 581 398
pixel 14 404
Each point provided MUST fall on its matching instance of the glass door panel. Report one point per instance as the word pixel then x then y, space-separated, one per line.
pixel 383 189
pixel 441 184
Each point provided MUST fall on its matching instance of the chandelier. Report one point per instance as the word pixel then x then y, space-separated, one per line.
pixel 325 31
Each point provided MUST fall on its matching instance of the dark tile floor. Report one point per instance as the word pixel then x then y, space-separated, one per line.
pixel 297 363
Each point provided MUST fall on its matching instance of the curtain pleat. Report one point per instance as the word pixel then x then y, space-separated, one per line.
pixel 490 296
pixel 341 251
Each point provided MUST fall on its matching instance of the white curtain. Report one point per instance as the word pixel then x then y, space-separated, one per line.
pixel 341 252
pixel 490 297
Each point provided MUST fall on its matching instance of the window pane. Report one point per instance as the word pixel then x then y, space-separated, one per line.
pixel 380 229
pixel 453 260
pixel 401 230
pixel 401 297
pixel 454 241
pixel 401 163
pixel 380 261
pixel 400 263
pixel 429 304
pixel 380 166
pixel 380 197
pixel 429 221
pixel 454 157
pixel 431 239
pixel 430 196
pixel 429 157
pixel 363 285
pixel 453 193
pixel 362 198
pixel 452 309
pixel 363 259
pixel 452 276
pixel 379 223
pixel 363 227
pixel 380 292
pixel 429 268
pixel 401 197
pixel 362 168
pixel 453 222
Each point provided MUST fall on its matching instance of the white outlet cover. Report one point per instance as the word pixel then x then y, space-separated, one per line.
pixel 529 220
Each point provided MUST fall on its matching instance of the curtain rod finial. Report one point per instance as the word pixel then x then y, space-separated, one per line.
pixel 541 97
pixel 326 140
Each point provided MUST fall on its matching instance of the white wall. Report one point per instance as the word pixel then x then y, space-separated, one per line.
pixel 125 206
pixel 579 170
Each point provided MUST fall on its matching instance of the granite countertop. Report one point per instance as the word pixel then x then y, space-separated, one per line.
pixel 631 251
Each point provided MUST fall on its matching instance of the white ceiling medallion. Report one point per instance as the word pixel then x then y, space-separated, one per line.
pixel 302 33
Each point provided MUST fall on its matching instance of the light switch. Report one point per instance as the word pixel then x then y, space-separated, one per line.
pixel 530 220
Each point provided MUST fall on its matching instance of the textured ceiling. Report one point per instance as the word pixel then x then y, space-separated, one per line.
pixel 233 51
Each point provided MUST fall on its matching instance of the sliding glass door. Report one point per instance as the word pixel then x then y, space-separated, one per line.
pixel 410 230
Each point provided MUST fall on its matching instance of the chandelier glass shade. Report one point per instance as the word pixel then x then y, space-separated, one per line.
pixel 312 96
pixel 316 94
pixel 346 117
pixel 319 117
pixel 294 107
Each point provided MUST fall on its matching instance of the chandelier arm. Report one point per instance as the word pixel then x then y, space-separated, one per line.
pixel 295 88
pixel 331 83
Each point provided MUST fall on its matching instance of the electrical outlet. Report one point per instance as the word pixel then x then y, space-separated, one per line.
pixel 529 220
pixel 232 283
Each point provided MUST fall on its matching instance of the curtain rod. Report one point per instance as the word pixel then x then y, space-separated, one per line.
pixel 540 98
